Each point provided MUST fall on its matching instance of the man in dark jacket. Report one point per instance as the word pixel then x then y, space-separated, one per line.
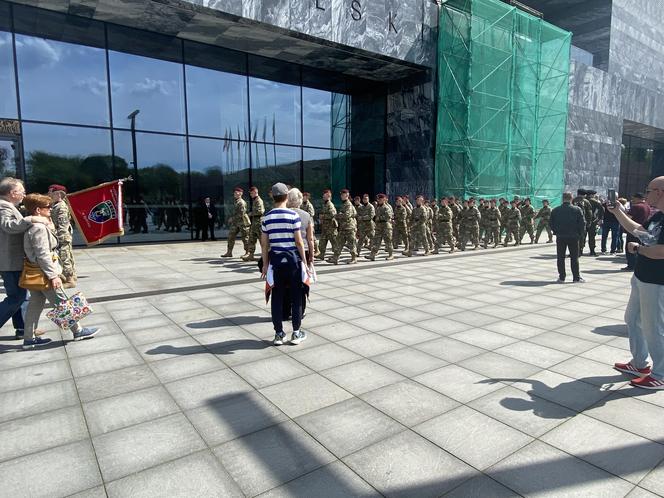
pixel 207 217
pixel 568 224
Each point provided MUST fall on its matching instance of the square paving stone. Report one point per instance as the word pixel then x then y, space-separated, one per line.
pixel 101 344
pixel 332 481
pixel 39 432
pixel 103 362
pixel 473 437
pixel 96 492
pixel 325 356
pixel 409 334
pixel 410 315
pixel 449 349
pixel 147 336
pixel 497 366
pixel 170 348
pixel 62 471
pixel 305 394
pixel 541 470
pixel 458 383
pixel 527 413
pixel 268 458
pixel 33 400
pixel 199 474
pixel 483 338
pixel 473 317
pixel 408 465
pixel 117 412
pixel 234 416
pixel 147 322
pixel 562 342
pixel 370 344
pixel 33 375
pixel 362 376
pixel 614 450
pixel 336 331
pixel 654 481
pixel 443 326
pixel 409 362
pixel 409 402
pixel 139 447
pixel 375 323
pixel 206 388
pixel 534 354
pixel 619 411
pixel 21 358
pixel 480 487
pixel 592 372
pixel 115 382
pixel 348 426
pixel 271 371
pixel 186 366
pixel 516 330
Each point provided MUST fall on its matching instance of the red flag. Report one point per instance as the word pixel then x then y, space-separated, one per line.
pixel 98 211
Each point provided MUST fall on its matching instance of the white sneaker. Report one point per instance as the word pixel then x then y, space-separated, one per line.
pixel 298 336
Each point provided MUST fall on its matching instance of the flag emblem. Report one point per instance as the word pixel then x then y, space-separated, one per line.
pixel 102 212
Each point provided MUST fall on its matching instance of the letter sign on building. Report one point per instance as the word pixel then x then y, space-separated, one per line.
pixel 356 13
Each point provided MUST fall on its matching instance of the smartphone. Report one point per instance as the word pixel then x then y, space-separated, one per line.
pixel 612 197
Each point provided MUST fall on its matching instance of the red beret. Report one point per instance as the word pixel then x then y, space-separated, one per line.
pixel 381 196
pixel 306 193
pixel 253 188
pixel 327 191
pixel 238 189
pixel 345 191
pixel 57 188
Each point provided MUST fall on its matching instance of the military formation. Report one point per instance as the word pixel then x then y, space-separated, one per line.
pixel 450 224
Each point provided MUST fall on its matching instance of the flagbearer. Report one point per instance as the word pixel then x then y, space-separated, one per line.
pixel 63 230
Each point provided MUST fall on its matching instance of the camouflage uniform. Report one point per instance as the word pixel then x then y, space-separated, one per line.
pixel 418 231
pixel 238 223
pixel 63 231
pixel 347 231
pixel 456 221
pixel 383 231
pixel 309 208
pixel 328 228
pixel 469 230
pixel 492 223
pixel 527 223
pixel 255 215
pixel 483 221
pixel 429 226
pixel 544 215
pixel 444 231
pixel 400 227
pixel 513 226
pixel 587 210
pixel 597 215
pixel 365 225
pixel 503 208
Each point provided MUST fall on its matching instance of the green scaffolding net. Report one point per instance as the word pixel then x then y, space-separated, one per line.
pixel 502 118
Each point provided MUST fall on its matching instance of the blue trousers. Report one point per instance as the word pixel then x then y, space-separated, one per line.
pixel 612 227
pixel 645 325
pixel 10 307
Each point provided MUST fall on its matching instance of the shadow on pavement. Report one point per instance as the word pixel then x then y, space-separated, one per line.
pixel 528 283
pixel 229 322
pixel 602 272
pixel 224 348
pixel 618 330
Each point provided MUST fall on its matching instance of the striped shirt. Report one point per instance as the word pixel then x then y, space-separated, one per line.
pixel 280 225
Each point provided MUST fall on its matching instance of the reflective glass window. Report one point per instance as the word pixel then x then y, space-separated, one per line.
pixel 158 198
pixel 275 112
pixel 317 173
pixel 217 103
pixel 274 163
pixel 317 117
pixel 7 78
pixel 217 167
pixel 62 81
pixel 154 87
pixel 9 158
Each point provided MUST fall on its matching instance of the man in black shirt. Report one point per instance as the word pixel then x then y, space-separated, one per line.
pixel 645 310
pixel 569 226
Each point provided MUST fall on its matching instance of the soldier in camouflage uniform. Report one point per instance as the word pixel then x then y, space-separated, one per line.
pixel 503 207
pixel 456 211
pixel 469 230
pixel 513 223
pixel 418 233
pixel 492 224
pixel 346 217
pixel 255 215
pixel 61 218
pixel 544 216
pixel 238 223
pixel 527 220
pixel 365 223
pixel 587 209
pixel 309 208
pixel 483 206
pixel 444 230
pixel 400 225
pixel 429 224
pixel 328 225
pixel 383 230
pixel 597 217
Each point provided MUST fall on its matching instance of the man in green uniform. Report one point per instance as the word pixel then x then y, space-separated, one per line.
pixel 346 217
pixel 255 215
pixel 587 210
pixel 365 223
pixel 544 216
pixel 595 222
pixel 328 225
pixel 469 230
pixel 61 218
pixel 492 224
pixel 513 223
pixel 383 231
pixel 238 223
pixel 444 230
pixel 400 225
pixel 527 220
pixel 418 233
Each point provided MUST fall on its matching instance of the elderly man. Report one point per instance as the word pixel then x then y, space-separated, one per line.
pixel 645 310
pixel 63 231
pixel 569 226
pixel 12 227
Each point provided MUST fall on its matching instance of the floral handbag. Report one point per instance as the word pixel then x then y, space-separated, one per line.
pixel 68 312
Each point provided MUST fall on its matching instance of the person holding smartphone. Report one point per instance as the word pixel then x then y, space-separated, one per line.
pixel 645 310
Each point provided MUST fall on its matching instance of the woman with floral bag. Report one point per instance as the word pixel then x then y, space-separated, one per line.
pixel 40 245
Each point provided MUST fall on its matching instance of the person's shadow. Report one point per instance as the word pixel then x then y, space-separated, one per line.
pixel 222 348
pixel 577 395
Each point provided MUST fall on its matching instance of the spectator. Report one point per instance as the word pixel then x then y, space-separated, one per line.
pixel 639 212
pixel 568 224
pixel 41 246
pixel 645 310
pixel 12 227
pixel 283 250
pixel 621 231
pixel 294 202
pixel 609 224
pixel 206 218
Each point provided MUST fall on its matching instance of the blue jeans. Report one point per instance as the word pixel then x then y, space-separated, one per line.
pixel 645 324
pixel 613 228
pixel 10 307
pixel 287 280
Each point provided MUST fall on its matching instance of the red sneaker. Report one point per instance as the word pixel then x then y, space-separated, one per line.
pixel 648 383
pixel 630 369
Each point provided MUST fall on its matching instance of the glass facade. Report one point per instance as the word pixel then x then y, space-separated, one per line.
pixel 209 119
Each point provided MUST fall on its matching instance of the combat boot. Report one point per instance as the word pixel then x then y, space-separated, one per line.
pixel 227 255
pixel 248 257
pixel 371 257
pixel 427 252
pixel 407 253
pixel 353 260
pixel 390 256
pixel 68 283
pixel 333 260
pixel 436 251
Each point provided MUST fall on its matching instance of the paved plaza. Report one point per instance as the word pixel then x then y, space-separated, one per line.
pixel 458 375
